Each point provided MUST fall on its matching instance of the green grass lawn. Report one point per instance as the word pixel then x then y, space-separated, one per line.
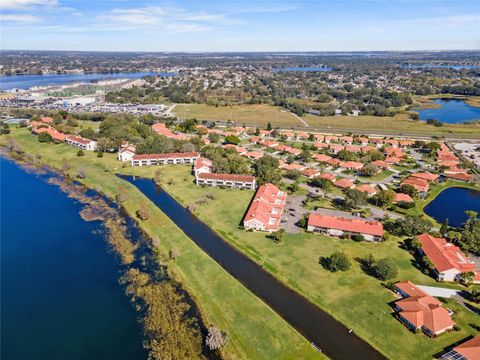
pixel 356 299
pixel 252 115
pixel 254 330
pixel 400 124
pixel 380 176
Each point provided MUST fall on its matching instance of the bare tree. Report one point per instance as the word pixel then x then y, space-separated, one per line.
pixel 121 195
pixel 143 213
pixel 215 338
pixel 81 173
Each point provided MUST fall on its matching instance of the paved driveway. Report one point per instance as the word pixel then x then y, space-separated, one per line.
pixel 439 292
pixel 293 212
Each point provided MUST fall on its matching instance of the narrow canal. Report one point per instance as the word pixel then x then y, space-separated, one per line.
pixel 316 325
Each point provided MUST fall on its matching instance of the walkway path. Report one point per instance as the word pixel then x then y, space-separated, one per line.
pixel 299 118
pixel 169 111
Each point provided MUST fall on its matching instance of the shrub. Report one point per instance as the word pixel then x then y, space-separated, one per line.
pixel 358 237
pixel 100 154
pixel 44 138
pixel 80 152
pixel 337 261
pixel 143 213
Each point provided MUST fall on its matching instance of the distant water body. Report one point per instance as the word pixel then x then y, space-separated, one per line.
pixel 452 111
pixel 301 69
pixel 27 81
pixel 59 282
pixel 452 203
pixel 437 66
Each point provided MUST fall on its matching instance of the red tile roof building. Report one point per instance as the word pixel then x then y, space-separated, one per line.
pixel 266 209
pixel 227 180
pixel 369 189
pixel 126 151
pixel 468 350
pixel 421 185
pixel 418 310
pixel 202 170
pixel 401 197
pixel 344 183
pixel 162 159
pixel 161 129
pixel 54 133
pixel 449 261
pixel 82 143
pixel 338 226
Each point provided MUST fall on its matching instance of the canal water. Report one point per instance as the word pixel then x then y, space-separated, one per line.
pixel 316 325
pixel 27 81
pixel 60 297
pixel 452 203
pixel 452 111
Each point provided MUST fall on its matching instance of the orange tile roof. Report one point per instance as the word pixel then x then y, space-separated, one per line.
pixel 366 188
pixel 328 176
pixel 351 225
pixel 351 165
pixel 344 183
pixel 426 176
pixel 470 349
pixel 423 310
pixel 444 255
pixel 267 205
pixel 403 197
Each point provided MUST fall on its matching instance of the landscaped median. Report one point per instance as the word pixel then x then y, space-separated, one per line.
pixel 356 299
pixel 254 330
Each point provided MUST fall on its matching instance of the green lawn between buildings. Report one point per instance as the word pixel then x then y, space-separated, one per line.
pixel 356 299
pixel 254 330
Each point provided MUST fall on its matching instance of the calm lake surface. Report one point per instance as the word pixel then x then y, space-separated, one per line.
pixel 452 112
pixel 28 81
pixel 451 203
pixel 316 325
pixel 304 69
pixel 59 282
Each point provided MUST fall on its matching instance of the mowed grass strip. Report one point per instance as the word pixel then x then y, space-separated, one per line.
pixel 251 115
pixel 255 331
pixel 399 124
pixel 356 299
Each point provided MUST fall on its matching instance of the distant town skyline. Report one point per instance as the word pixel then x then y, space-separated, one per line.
pixel 216 26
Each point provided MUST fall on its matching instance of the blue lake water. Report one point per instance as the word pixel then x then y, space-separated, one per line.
pixel 302 69
pixel 452 112
pixel 438 66
pixel 59 282
pixel 28 81
pixel 452 203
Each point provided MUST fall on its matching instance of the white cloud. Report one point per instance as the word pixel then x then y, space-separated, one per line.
pixel 24 4
pixel 20 18
pixel 168 19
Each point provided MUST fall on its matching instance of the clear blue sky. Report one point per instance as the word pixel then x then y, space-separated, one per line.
pixel 261 25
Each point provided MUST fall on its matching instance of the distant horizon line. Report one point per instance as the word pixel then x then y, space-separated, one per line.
pixel 246 51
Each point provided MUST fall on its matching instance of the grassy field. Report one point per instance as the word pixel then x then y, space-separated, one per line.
pixel 252 115
pixel 356 299
pixel 254 330
pixel 400 124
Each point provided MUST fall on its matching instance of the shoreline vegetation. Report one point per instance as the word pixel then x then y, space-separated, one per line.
pixel 248 322
pixel 164 308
